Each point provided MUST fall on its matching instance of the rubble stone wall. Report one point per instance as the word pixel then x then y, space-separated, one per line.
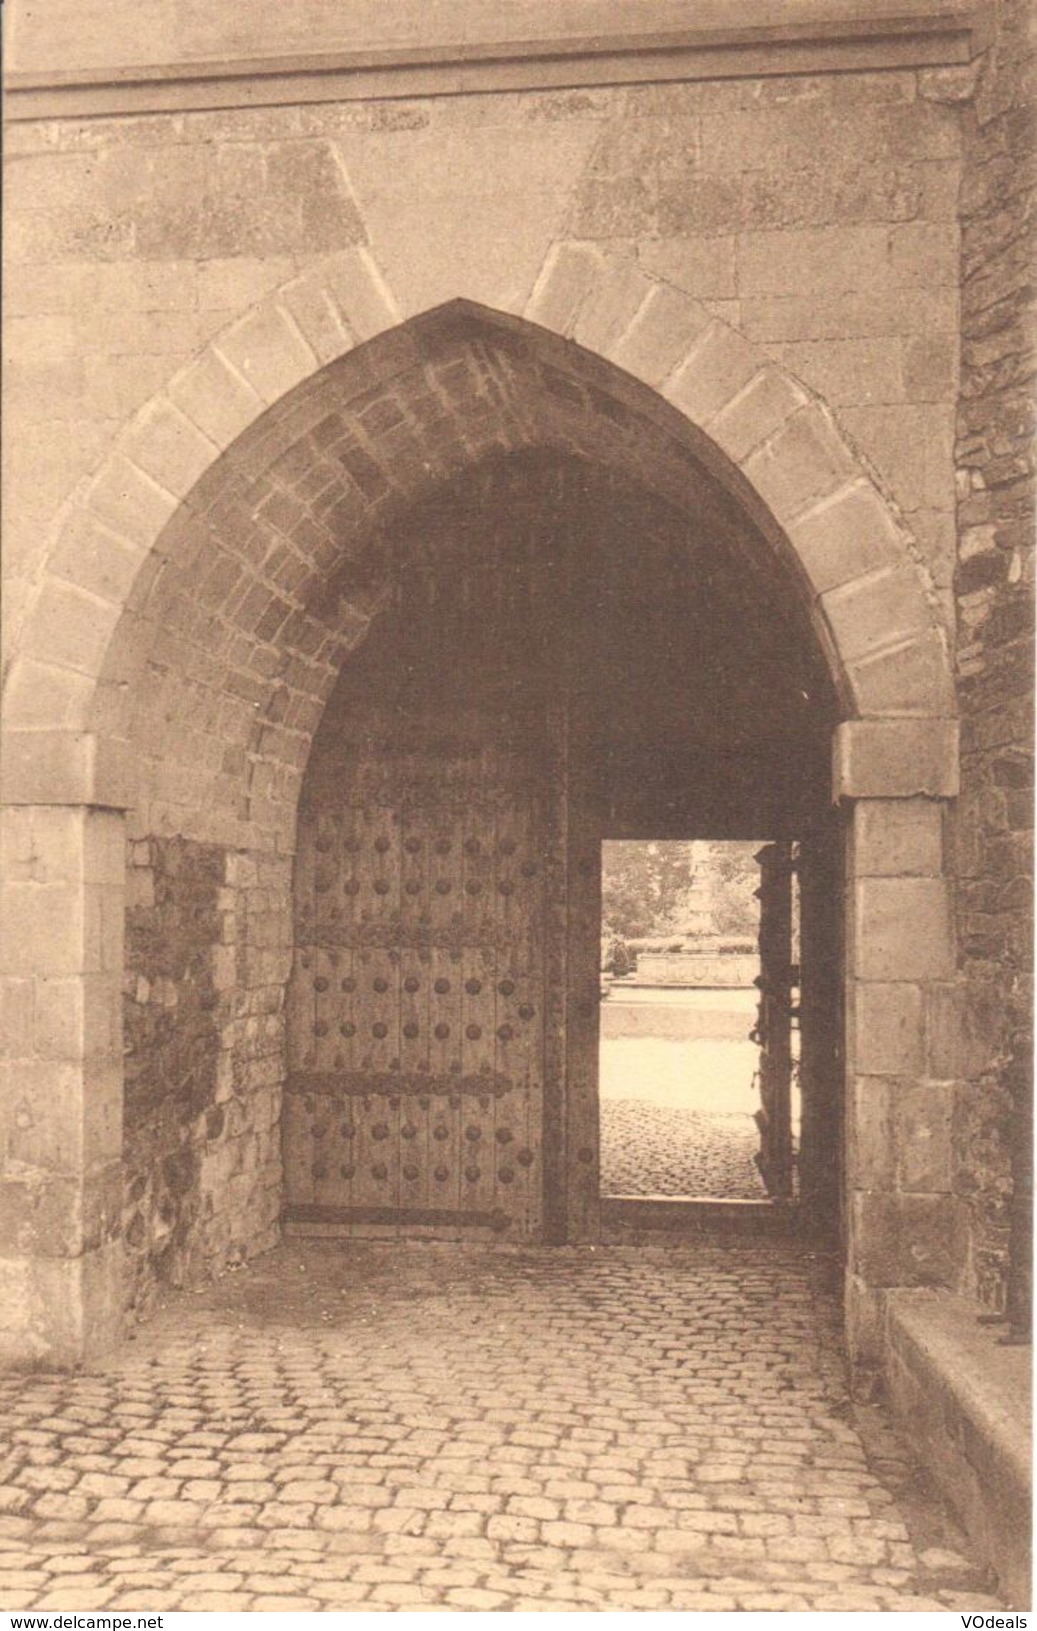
pixel 994 590
pixel 205 969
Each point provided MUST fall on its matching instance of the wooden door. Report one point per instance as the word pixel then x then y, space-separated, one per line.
pixel 416 1006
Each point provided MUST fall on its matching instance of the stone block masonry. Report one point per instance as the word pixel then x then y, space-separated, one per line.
pixel 817 215
pixel 61 1122
pixel 206 961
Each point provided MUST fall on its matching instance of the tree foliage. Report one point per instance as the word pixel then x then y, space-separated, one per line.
pixel 653 888
pixel 644 885
pixel 735 878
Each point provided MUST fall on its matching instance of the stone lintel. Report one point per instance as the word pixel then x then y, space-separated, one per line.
pixel 141 59
pixel 895 759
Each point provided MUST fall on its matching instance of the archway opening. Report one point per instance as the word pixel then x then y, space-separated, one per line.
pixel 560 655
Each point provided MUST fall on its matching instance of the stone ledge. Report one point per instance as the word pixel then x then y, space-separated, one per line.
pixel 963 1401
pixel 143 59
pixel 632 1214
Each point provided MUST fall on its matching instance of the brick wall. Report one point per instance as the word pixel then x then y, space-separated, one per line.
pixel 205 970
pixel 994 587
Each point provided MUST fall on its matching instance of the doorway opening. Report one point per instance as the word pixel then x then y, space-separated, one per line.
pixel 698 1040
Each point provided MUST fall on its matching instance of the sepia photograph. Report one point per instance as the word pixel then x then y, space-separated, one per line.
pixel 516 861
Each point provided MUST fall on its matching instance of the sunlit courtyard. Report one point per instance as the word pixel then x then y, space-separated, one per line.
pixel 677 1109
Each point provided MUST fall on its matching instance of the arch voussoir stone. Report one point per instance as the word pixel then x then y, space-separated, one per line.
pixel 569 275
pixel 881 609
pixel 717 368
pixel 756 412
pixel 844 535
pixel 611 306
pixel 802 461
pixel 657 341
pixel 896 661
pixel 216 397
pixel 911 678
pixel 318 318
pixel 268 350
pixel 169 447
pixel 354 283
pixel 133 504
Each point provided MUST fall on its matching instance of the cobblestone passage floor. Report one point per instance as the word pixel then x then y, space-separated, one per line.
pixel 661 1149
pixel 417 1426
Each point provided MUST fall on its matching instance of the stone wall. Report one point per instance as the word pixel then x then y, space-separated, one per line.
pixel 817 215
pixel 205 969
pixel 696 968
pixel 994 588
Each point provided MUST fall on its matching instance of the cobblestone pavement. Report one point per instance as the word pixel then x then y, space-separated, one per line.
pixel 418 1426
pixel 657 1149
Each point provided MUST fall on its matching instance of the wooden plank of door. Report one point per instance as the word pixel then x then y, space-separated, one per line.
pixel 366 903
pixel 345 1017
pixel 478 1176
pixel 350 840
pixel 368 1191
pixel 297 1148
pixel 414 876
pixel 303 896
pixel 533 1009
pixel 323 1126
pixel 821 1008
pixel 327 878
pixel 301 1011
pixel 582 1115
pixel 414 1058
pixel 515 1049
pixel 445 1101
pixel 300 1018
pixel 383 831
pixel 384 1054
pixel 547 862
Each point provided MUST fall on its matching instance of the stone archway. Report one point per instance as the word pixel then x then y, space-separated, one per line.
pixel 130 538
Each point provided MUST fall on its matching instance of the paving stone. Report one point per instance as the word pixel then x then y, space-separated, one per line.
pixel 282 1604
pixel 20 1580
pixel 467 1597
pixel 75 1590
